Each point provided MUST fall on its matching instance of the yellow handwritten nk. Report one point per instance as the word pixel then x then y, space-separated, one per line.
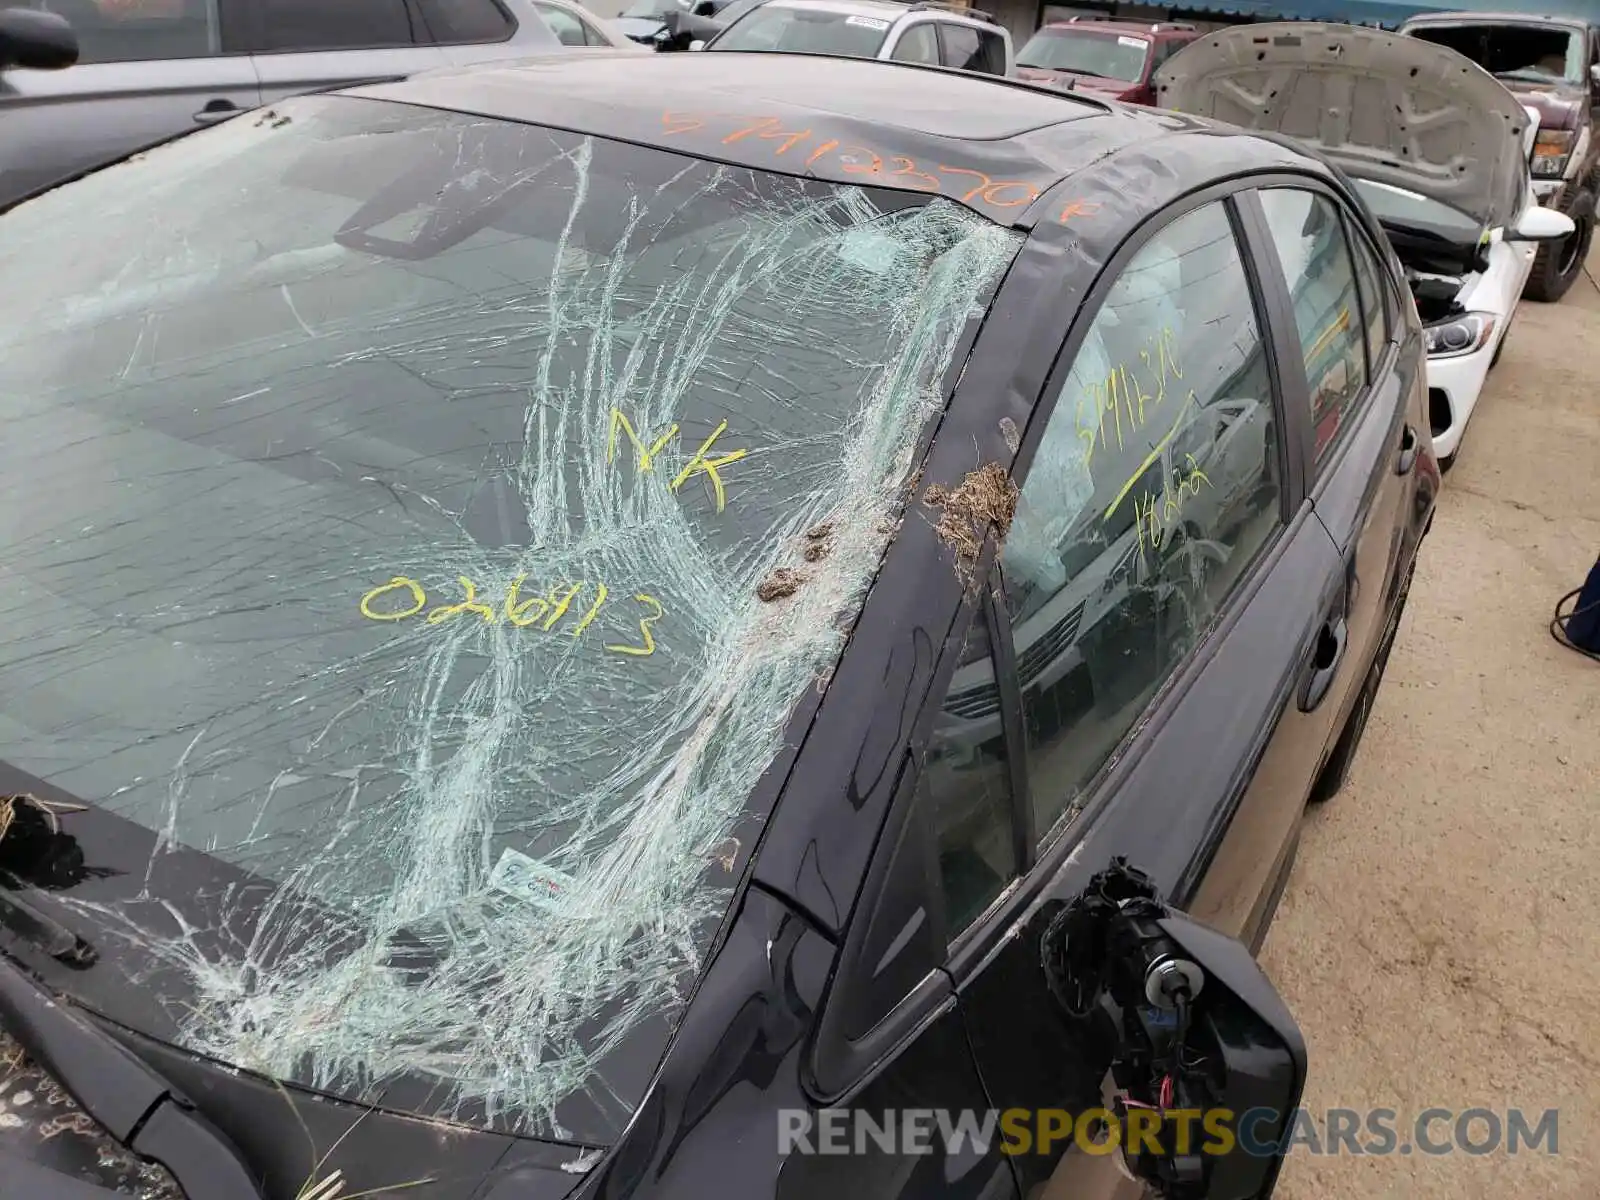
pixel 702 462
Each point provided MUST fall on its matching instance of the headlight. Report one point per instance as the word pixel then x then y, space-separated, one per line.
pixel 1550 153
pixel 1462 335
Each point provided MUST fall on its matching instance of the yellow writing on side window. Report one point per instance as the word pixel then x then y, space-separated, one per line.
pixel 404 597
pixel 1114 408
pixel 1155 514
pixel 703 463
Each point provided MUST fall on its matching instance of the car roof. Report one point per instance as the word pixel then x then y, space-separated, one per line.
pixel 886 9
pixel 1469 17
pixel 1153 30
pixel 983 141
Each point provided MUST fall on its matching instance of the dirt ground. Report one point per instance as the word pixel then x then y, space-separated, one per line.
pixel 1440 938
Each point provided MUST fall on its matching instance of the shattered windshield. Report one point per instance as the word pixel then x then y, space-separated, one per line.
pixel 439 518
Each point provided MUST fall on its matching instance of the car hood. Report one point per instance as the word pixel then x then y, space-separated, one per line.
pixel 1393 109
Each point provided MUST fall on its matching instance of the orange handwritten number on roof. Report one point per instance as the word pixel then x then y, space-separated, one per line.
pixel 821 150
pixel 992 193
pixel 859 168
pixel 1078 208
pixel 769 129
pixel 973 193
pixel 907 169
pixel 677 122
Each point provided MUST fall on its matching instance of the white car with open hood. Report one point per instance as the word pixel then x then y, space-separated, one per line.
pixel 1436 146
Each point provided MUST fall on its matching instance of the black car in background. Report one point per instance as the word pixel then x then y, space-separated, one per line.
pixel 492 561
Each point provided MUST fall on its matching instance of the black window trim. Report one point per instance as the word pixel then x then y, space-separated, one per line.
pixel 253 28
pixel 852 1065
pixel 247 20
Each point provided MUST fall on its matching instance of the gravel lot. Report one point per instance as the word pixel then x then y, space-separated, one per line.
pixel 1439 941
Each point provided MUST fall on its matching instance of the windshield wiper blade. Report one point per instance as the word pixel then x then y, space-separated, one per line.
pixel 41 930
pixel 132 1103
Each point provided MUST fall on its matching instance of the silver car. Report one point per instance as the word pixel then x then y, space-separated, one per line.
pixel 150 69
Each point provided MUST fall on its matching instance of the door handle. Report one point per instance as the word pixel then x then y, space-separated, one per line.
pixel 1408 452
pixel 217 110
pixel 1325 659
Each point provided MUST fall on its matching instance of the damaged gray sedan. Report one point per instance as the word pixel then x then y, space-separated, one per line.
pixel 573 629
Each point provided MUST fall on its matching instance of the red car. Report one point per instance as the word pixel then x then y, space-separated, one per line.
pixel 1115 60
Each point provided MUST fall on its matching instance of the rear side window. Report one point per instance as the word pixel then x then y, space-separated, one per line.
pixel 139 30
pixel 1309 237
pixel 453 22
pixel 967 49
pixel 288 25
pixel 1373 307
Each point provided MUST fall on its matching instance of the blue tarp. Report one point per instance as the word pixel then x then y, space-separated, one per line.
pixel 1388 13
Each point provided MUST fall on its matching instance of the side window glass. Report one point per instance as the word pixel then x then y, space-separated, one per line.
pixel 1373 306
pixel 991 54
pixel 961 48
pixel 917 45
pixel 347 25
pixel 1155 486
pixel 1311 246
pixel 457 22
pixel 965 787
pixel 112 31
pixel 567 28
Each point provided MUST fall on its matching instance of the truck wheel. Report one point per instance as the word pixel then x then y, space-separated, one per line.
pixel 1558 264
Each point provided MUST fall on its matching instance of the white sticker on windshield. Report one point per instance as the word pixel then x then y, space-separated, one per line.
pixel 1136 43
pixel 529 880
pixel 867 23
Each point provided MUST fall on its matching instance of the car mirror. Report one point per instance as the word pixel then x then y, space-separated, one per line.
pixel 1192 1025
pixel 38 41
pixel 684 29
pixel 1539 224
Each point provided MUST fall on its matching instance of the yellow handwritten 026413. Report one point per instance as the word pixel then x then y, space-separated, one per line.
pixel 404 597
pixel 1112 409
pixel 701 463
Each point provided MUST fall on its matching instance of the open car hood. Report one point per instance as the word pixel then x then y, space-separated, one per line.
pixel 1393 109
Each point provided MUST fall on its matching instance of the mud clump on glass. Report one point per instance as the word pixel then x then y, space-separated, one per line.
pixel 782 583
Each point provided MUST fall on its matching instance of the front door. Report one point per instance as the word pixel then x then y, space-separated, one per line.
pixel 1164 581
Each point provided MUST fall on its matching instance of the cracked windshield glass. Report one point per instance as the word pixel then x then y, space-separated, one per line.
pixel 394 501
